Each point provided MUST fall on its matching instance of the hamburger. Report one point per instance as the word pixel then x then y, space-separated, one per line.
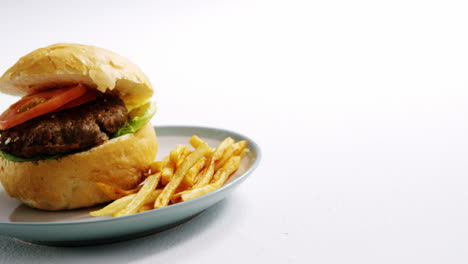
pixel 84 117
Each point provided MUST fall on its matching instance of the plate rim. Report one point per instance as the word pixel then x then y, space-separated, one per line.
pixel 251 143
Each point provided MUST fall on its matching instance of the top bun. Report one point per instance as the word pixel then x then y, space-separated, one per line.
pixel 66 64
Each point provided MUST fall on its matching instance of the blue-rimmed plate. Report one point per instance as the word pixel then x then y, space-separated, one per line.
pixel 77 227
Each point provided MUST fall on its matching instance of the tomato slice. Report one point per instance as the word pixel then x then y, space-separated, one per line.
pixel 87 97
pixel 38 104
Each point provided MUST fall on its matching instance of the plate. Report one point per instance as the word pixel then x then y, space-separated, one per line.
pixel 77 227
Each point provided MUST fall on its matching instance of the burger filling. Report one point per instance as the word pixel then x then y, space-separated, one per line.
pixel 66 131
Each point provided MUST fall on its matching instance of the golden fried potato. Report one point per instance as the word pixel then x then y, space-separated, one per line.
pixel 164 197
pixel 115 193
pixel 148 187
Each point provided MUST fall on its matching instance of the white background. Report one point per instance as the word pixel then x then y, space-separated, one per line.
pixel 359 107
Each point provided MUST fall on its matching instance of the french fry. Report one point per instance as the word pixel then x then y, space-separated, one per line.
pixel 121 203
pixel 156 167
pixel 115 193
pixel 163 198
pixel 205 177
pixel 167 170
pixel 229 168
pixel 177 153
pixel 236 149
pixel 195 141
pixel 200 173
pixel 190 176
pixel 226 155
pixel 191 194
pixel 154 194
pixel 150 185
pixel 219 179
pixel 145 207
pixel 218 153
pixel 239 148
pixel 183 155
pixel 246 150
pixel 114 207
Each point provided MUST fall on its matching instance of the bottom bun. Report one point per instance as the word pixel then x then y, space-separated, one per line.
pixel 70 182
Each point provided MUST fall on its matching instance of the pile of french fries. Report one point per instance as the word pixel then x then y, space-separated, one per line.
pixel 183 175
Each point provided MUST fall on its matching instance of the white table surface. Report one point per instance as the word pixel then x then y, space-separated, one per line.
pixel 360 108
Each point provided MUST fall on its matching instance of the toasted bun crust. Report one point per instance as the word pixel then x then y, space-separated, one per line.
pixel 64 64
pixel 69 182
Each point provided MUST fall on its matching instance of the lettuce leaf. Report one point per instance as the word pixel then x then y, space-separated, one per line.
pixel 139 117
pixel 12 157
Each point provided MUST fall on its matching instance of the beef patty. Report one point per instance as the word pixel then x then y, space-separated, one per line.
pixel 67 131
